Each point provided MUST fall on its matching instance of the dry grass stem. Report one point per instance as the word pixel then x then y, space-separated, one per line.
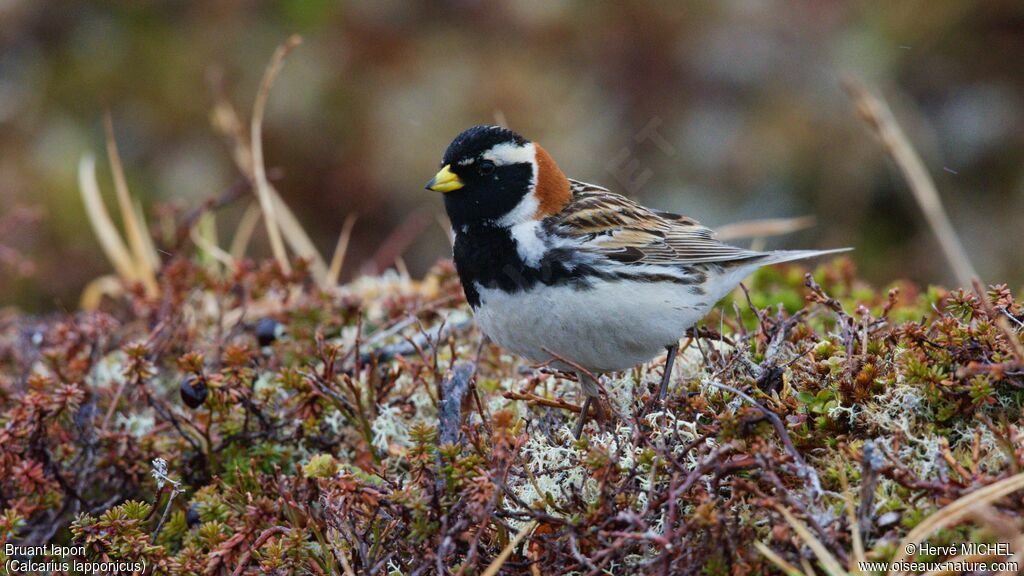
pixel 224 119
pixel 498 562
pixel 536 400
pixel 877 114
pixel 779 561
pixel 764 228
pixel 259 170
pixel 859 555
pixel 110 239
pixel 206 241
pixel 338 260
pixel 296 236
pixel 148 246
pixel 244 230
pixel 827 560
pixel 248 156
pixel 956 511
pixel 137 231
pixel 97 288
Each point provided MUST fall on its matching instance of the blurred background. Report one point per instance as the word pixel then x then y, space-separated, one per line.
pixel 726 111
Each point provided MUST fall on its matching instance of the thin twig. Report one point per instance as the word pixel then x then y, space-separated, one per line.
pixel 243 560
pixel 541 401
pixel 163 517
pixel 805 470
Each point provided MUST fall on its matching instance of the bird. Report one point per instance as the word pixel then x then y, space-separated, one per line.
pixel 563 272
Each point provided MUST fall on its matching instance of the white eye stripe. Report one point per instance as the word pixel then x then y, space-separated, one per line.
pixel 511 153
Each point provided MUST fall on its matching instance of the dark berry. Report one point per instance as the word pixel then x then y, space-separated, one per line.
pixel 771 380
pixel 193 391
pixel 192 516
pixel 268 330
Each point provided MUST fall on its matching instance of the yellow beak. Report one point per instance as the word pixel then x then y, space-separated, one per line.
pixel 445 181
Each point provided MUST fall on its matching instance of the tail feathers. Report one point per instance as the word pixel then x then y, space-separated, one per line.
pixel 778 256
pixel 736 275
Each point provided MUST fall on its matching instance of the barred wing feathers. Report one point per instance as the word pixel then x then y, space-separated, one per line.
pixel 619 229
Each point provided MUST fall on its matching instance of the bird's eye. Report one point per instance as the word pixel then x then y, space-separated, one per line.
pixel 486 167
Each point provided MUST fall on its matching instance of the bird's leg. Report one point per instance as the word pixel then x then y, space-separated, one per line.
pixel 583 418
pixel 669 361
pixel 590 392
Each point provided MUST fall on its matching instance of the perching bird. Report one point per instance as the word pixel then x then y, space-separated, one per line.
pixel 559 269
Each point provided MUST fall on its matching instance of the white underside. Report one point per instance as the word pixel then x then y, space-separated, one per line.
pixel 612 326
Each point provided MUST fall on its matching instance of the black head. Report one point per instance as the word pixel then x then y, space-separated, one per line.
pixel 485 174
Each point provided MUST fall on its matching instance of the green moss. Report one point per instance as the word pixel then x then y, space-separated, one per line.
pixel 320 466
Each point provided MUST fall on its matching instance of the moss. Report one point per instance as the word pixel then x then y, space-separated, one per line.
pixel 320 466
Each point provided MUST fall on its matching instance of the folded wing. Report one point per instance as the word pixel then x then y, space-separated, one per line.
pixel 614 227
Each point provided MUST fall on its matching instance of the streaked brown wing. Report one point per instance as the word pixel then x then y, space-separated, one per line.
pixel 622 230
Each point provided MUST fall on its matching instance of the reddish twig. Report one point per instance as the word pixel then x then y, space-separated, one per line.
pixel 243 560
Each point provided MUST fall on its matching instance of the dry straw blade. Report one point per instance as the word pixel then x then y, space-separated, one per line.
pixel 877 114
pixel 259 171
pixel 764 228
pixel 295 235
pixel 502 557
pixel 338 260
pixel 973 504
pixel 957 511
pixel 859 555
pixel 97 288
pixel 204 235
pixel 148 248
pixel 247 151
pixel 825 558
pixel 243 232
pixel 779 561
pixel 135 226
pixel 106 232
pixel 137 264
